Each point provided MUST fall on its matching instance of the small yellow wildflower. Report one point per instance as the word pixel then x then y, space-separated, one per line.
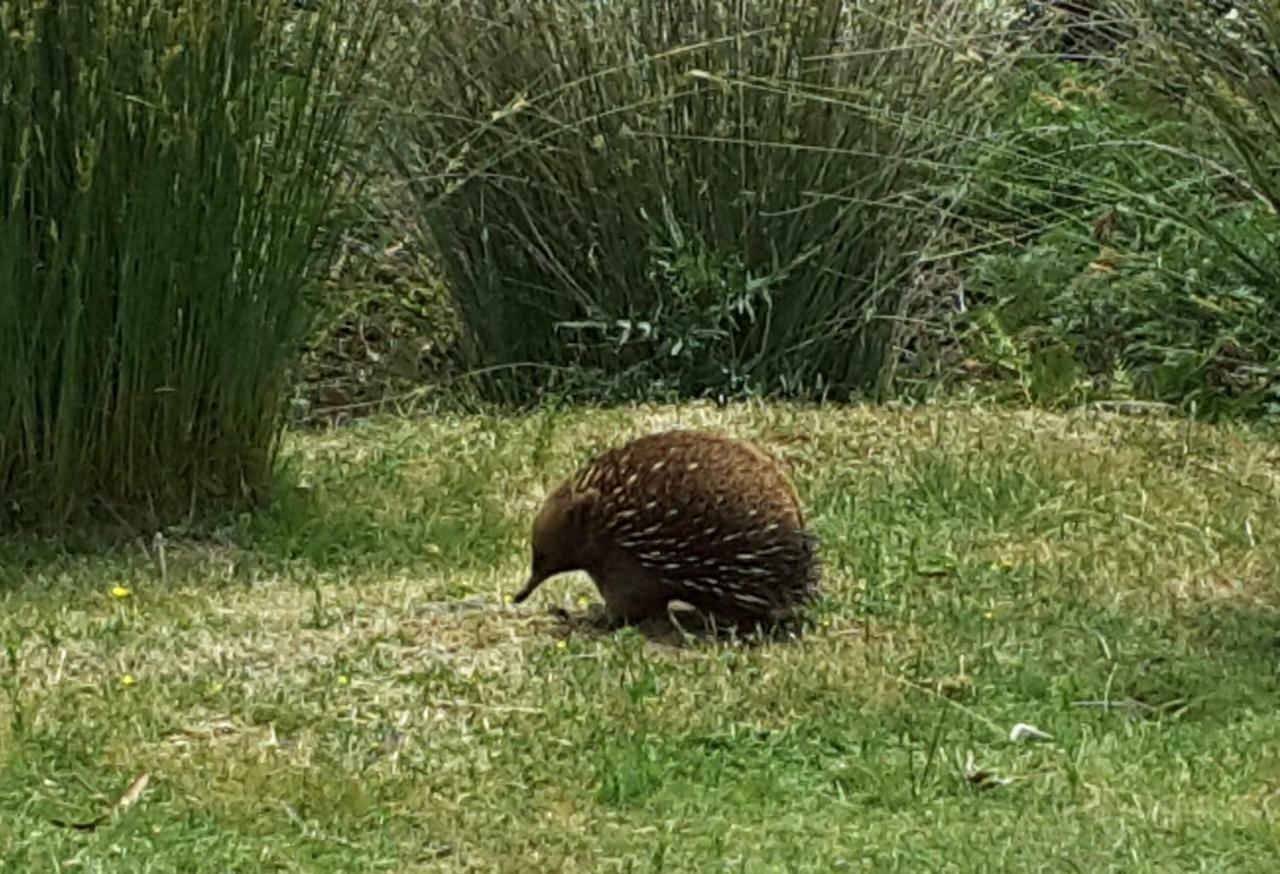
pixel 583 600
pixel 987 614
pixel 127 680
pixel 344 680
pixel 120 592
pixel 506 599
pixel 560 644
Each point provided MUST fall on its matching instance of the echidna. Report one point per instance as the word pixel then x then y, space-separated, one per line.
pixel 681 515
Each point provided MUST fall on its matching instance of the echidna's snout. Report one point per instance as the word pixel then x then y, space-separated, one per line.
pixel 553 542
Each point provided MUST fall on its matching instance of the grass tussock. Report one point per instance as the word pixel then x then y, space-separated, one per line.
pixel 704 198
pixel 167 171
pixel 338 685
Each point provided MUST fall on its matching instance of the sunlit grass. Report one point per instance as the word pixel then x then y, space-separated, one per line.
pixel 337 684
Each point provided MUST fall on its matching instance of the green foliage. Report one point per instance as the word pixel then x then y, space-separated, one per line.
pixel 694 197
pixel 694 339
pixel 166 169
pixel 1139 271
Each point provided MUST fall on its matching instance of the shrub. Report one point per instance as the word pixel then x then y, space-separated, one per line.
pixel 1138 269
pixel 696 196
pixel 165 171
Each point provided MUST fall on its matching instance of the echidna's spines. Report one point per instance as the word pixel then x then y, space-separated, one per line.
pixel 685 515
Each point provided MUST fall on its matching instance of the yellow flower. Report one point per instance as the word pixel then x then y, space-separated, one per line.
pixel 120 592
pixel 987 615
pixel 127 680
pixel 583 600
pixel 343 680
pixel 506 599
pixel 560 644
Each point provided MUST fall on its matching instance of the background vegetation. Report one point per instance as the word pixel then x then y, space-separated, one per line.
pixel 167 172
pixel 701 197
pixel 1065 205
pixel 611 201
pixel 1138 192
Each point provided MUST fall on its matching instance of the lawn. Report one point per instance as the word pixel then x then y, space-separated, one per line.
pixel 337 684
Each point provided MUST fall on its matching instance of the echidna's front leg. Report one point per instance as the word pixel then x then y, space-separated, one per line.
pixel 630 593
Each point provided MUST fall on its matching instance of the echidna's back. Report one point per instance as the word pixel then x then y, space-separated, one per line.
pixel 714 517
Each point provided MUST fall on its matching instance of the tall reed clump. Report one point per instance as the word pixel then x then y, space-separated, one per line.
pixel 167 169
pixel 707 196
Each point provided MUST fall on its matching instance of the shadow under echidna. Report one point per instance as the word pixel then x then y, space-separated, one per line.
pixel 682 516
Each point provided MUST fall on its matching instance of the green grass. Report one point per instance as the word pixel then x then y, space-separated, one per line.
pixel 337 684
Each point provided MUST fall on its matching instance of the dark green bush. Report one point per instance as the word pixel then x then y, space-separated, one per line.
pixel 696 196
pixel 166 168
pixel 1138 266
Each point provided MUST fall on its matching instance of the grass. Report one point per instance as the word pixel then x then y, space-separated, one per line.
pixel 337 685
pixel 171 195
pixel 700 197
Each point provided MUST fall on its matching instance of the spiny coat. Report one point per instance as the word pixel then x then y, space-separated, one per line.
pixel 681 515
